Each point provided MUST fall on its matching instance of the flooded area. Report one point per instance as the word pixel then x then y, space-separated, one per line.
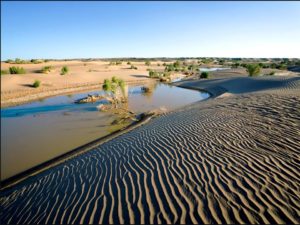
pixel 39 131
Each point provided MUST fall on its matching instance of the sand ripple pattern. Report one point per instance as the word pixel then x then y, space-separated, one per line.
pixel 234 160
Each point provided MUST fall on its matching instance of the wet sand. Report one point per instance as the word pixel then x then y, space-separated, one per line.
pixel 231 159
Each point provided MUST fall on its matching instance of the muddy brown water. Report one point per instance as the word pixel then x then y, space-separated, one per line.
pixel 39 131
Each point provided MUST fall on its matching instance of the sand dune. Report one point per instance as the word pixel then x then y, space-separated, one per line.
pixel 225 160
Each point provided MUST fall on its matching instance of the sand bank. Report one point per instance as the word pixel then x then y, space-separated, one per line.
pixel 16 89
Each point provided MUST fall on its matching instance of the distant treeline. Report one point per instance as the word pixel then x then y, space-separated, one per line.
pixel 19 61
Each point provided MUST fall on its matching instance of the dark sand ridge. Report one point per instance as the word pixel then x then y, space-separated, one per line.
pixel 230 159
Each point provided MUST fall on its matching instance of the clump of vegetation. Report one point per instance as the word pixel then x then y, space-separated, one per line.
pixel 153 74
pixel 16 70
pixel 193 67
pixel 36 84
pixel 272 73
pixel 9 61
pixel 253 70
pixel 46 69
pixel 235 65
pixel 128 63
pixel 106 85
pixel 204 74
pixel 112 86
pixel 163 76
pixel 158 64
pixel 19 61
pixel 36 61
pixel 64 70
pixel 3 72
pixel 221 62
pixel 147 63
pixel 133 67
pixel 118 62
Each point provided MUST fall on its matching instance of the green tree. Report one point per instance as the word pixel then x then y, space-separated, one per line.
pixel 253 69
pixel 64 70
pixel 204 75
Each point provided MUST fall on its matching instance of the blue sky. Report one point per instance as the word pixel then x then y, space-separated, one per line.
pixel 149 29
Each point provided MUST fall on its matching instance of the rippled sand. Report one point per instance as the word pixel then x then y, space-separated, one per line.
pixel 231 159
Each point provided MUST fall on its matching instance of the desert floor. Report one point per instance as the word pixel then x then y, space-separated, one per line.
pixel 234 158
pixel 16 89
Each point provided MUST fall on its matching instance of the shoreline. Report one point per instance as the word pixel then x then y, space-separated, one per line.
pixel 17 178
pixel 235 152
pixel 47 93
pixel 22 176
pixel 214 91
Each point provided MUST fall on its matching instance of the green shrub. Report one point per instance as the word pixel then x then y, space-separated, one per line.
pixel 36 84
pixel 20 61
pixel 272 73
pixel 133 67
pixel 147 63
pixel 176 64
pixel 169 68
pixel 193 67
pixel 114 79
pixel 64 70
pixel 153 74
pixel 204 75
pixel 16 70
pixel 46 69
pixel 235 65
pixel 119 62
pixel 4 72
pixel 113 84
pixel 128 63
pixel 9 61
pixel 253 69
pixel 36 61
pixel 106 85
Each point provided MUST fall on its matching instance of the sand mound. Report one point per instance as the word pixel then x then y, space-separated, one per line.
pixel 242 85
pixel 227 160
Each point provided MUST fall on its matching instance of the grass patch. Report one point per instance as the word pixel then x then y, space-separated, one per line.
pixel 133 67
pixel 16 70
pixel 46 69
pixel 64 70
pixel 36 84
pixel 204 75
